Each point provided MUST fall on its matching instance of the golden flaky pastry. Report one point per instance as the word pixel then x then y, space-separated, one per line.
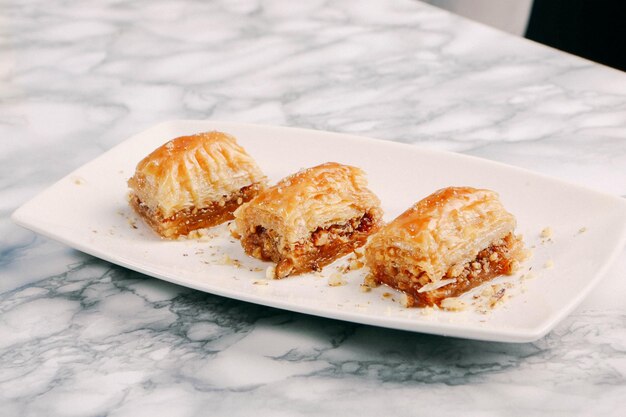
pixel 309 219
pixel 444 245
pixel 193 182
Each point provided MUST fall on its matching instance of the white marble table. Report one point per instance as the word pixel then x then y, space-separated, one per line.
pixel 81 337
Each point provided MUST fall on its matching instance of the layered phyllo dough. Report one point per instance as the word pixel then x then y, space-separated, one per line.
pixel 444 245
pixel 309 219
pixel 194 182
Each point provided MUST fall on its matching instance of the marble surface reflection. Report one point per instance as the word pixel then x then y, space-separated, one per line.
pixel 82 337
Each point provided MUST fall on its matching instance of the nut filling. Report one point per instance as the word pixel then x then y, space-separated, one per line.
pixel 322 247
pixel 192 218
pixel 498 259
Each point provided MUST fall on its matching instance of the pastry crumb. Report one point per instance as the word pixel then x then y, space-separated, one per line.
pixel 370 281
pixel 270 272
pixel 527 254
pixel 232 229
pixel 404 301
pixel 336 279
pixel 582 230
pixel 549 264
pixel 260 282
pixel 355 264
pixel 132 222
pixel 546 233
pixel 426 311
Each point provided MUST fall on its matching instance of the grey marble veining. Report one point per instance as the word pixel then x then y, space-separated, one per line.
pixel 99 339
pixel 79 336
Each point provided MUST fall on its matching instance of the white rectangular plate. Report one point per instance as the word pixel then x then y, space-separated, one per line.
pixel 88 210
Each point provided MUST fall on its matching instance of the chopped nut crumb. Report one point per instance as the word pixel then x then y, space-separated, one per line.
pixel 202 235
pixel 227 260
pixel 497 297
pixel 491 296
pixel 582 230
pixel 453 304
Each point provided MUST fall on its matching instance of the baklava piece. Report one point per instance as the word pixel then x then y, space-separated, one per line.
pixel 193 182
pixel 446 244
pixel 309 219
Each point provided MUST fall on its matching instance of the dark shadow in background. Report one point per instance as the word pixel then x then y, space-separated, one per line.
pixel 592 29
